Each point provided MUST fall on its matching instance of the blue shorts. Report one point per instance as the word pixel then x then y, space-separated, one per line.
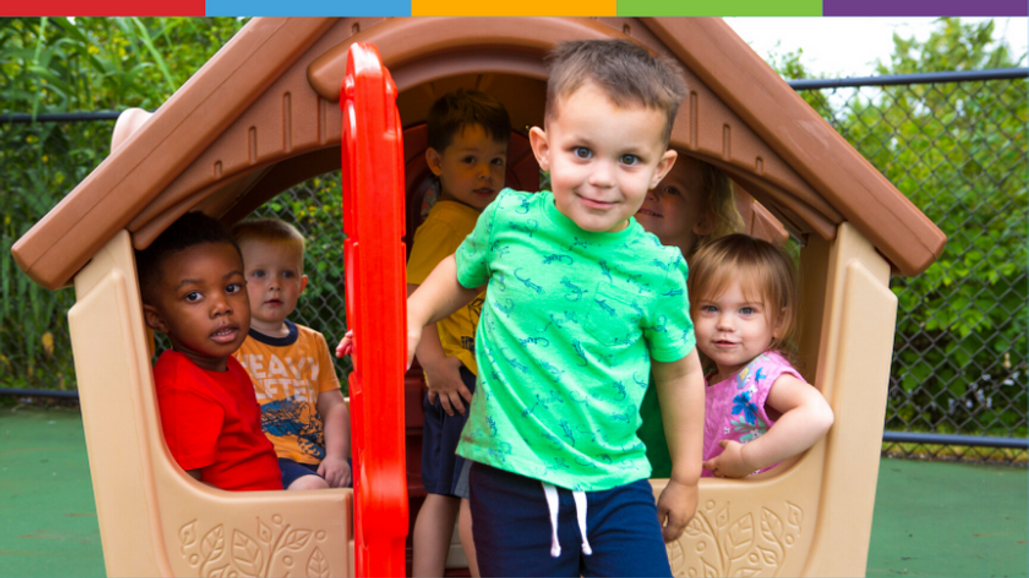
pixel 512 522
pixel 441 466
pixel 291 470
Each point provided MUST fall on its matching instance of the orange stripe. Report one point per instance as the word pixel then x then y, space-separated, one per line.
pixel 522 8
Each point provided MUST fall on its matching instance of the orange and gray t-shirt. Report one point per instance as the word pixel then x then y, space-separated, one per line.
pixel 288 374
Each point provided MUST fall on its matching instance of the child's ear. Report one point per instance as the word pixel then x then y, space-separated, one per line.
pixel 153 319
pixel 705 226
pixel 303 283
pixel 663 166
pixel 540 147
pixel 434 160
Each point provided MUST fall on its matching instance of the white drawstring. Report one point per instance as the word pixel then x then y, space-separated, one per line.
pixel 580 513
pixel 551 493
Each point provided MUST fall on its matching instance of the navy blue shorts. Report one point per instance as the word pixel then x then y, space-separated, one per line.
pixel 292 470
pixel 512 523
pixel 441 466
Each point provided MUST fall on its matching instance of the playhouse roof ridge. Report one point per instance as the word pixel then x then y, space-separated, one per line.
pixel 772 143
pixel 146 170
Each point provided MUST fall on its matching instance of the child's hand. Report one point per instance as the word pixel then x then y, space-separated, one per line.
pixel 346 345
pixel 336 471
pixel 444 381
pixel 675 508
pixel 730 463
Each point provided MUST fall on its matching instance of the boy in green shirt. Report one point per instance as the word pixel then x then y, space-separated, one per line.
pixel 582 303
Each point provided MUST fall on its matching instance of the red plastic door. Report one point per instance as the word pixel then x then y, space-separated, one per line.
pixel 373 219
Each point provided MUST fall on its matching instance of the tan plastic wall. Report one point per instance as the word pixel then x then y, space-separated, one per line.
pixel 154 519
pixel 815 518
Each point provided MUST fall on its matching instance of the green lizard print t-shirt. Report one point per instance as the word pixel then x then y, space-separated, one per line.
pixel 569 326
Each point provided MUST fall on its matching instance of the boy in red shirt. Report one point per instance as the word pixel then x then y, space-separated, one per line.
pixel 192 286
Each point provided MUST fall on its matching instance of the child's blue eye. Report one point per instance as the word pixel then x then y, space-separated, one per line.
pixel 630 160
pixel 257 273
pixel 709 308
pixel 287 274
pixel 747 311
pixel 582 152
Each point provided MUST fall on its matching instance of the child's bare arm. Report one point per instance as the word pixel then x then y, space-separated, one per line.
pixel 443 372
pixel 436 299
pixel 680 391
pixel 336 420
pixel 806 417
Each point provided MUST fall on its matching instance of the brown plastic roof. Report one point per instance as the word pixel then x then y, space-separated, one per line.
pixel 263 115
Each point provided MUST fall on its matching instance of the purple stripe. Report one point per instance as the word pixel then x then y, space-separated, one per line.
pixel 925 8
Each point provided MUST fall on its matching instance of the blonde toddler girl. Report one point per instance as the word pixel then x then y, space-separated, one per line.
pixel 759 410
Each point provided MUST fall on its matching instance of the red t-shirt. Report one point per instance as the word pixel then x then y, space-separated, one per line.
pixel 212 422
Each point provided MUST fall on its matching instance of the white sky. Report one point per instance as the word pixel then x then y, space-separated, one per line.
pixel 842 47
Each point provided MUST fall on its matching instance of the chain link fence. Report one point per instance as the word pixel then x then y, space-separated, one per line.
pixel 954 143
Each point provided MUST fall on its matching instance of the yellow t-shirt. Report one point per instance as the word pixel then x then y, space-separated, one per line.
pixel 448 223
pixel 288 374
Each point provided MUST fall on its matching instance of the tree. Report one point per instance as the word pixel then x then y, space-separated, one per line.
pixel 958 151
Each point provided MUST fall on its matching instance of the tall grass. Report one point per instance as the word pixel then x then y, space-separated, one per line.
pixel 50 65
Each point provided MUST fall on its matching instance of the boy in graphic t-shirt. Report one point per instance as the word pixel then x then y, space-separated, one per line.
pixel 303 411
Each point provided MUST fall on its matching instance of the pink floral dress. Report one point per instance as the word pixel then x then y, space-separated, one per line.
pixel 735 407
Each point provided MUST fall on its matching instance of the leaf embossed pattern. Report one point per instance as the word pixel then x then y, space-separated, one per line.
pixel 720 542
pixel 272 553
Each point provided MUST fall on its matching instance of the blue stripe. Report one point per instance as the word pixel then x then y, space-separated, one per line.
pixel 307 8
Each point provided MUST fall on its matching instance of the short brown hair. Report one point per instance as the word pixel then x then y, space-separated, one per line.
pixel 453 111
pixel 760 267
pixel 627 72
pixel 269 230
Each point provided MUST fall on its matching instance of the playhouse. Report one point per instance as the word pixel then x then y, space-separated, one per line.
pixel 264 115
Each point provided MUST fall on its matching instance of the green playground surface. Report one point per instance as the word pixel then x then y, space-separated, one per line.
pixel 931 518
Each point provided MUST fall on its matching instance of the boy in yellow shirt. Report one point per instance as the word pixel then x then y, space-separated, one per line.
pixel 468 133
pixel 303 411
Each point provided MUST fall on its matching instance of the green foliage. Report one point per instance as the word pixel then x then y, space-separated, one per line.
pixel 86 64
pixel 958 151
pixel 66 65
pixel 952 46
pixel 35 350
